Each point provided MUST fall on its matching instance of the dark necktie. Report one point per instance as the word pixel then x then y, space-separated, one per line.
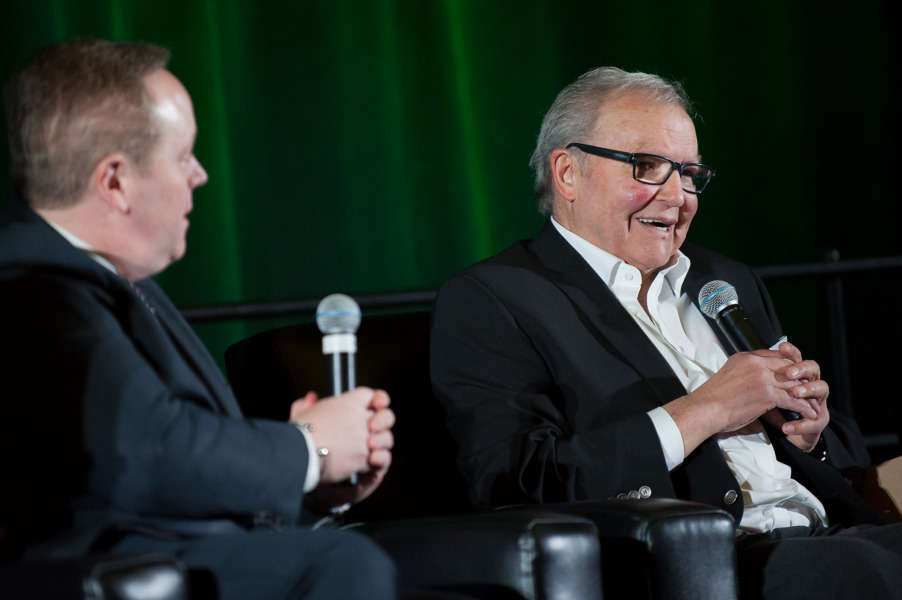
pixel 140 294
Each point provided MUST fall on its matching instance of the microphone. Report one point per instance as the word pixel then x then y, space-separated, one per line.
pixel 338 317
pixel 720 301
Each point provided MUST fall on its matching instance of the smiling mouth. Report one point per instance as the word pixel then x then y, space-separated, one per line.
pixel 660 225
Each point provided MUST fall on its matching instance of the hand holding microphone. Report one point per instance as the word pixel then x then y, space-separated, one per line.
pixel 720 301
pixel 355 423
pixel 338 317
pixel 340 429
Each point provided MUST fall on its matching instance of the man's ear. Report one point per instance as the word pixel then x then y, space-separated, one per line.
pixel 111 179
pixel 564 170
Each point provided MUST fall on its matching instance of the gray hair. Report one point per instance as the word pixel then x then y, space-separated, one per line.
pixel 575 111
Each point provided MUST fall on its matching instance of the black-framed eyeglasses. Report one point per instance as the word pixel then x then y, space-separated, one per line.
pixel 655 170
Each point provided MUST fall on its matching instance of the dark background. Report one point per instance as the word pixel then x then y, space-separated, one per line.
pixel 370 146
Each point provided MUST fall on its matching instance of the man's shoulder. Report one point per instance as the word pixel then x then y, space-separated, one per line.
pixel 28 245
pixel 511 266
pixel 24 237
pixel 528 257
pixel 517 254
pixel 38 266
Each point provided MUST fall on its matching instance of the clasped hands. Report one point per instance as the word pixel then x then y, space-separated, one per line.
pixel 753 385
pixel 356 429
pixel 808 391
pixel 776 379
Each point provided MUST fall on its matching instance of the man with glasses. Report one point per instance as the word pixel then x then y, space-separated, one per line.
pixel 577 365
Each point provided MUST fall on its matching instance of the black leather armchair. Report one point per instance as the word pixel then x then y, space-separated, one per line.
pixel 662 548
pixel 649 548
pixel 522 554
pixel 143 577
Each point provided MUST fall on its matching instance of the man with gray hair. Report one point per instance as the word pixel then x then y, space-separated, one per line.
pixel 120 434
pixel 577 365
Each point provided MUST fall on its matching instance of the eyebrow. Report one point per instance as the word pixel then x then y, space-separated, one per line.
pixel 696 159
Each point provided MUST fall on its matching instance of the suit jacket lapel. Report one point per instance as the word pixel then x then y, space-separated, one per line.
pixel 584 287
pixel 191 348
pixel 32 236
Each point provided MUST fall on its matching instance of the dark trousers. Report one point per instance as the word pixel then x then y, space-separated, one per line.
pixel 294 563
pixel 799 563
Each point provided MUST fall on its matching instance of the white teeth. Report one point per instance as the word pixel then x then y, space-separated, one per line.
pixel 657 224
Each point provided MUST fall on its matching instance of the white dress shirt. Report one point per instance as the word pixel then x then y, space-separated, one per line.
pixel 681 334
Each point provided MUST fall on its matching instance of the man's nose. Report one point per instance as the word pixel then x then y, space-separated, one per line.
pixel 199 176
pixel 672 191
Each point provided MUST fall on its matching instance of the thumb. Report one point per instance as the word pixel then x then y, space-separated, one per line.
pixel 302 404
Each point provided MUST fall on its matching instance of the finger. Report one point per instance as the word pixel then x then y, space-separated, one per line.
pixel 788 375
pixel 812 390
pixel 790 352
pixel 802 372
pixel 363 394
pixel 799 405
pixel 383 419
pixel 807 369
pixel 384 440
pixel 302 404
pixel 380 400
pixel 380 459
pixel 774 417
pixel 375 473
pixel 774 361
pixel 802 427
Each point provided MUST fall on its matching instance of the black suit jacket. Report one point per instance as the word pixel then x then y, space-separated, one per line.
pixel 547 380
pixel 114 417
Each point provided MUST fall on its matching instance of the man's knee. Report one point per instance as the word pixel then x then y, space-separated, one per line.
pixel 838 566
pixel 359 553
pixel 352 566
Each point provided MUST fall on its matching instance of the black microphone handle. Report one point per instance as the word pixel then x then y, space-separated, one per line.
pixel 341 372
pixel 738 329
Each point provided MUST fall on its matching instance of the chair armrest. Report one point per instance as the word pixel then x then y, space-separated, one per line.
pixel 520 553
pixel 672 548
pixel 141 577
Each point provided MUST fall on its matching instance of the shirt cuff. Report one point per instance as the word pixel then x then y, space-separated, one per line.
pixel 670 436
pixel 311 480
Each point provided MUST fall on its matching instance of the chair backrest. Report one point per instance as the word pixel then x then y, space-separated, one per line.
pixel 271 369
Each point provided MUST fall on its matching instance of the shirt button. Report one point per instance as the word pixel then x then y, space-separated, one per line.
pixel 730 497
pixel 633 309
pixel 645 491
pixel 628 276
pixel 634 495
pixel 621 496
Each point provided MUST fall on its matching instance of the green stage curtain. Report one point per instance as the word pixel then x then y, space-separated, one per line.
pixel 364 146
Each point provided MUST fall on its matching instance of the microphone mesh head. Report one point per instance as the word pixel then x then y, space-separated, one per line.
pixel 715 296
pixel 338 313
